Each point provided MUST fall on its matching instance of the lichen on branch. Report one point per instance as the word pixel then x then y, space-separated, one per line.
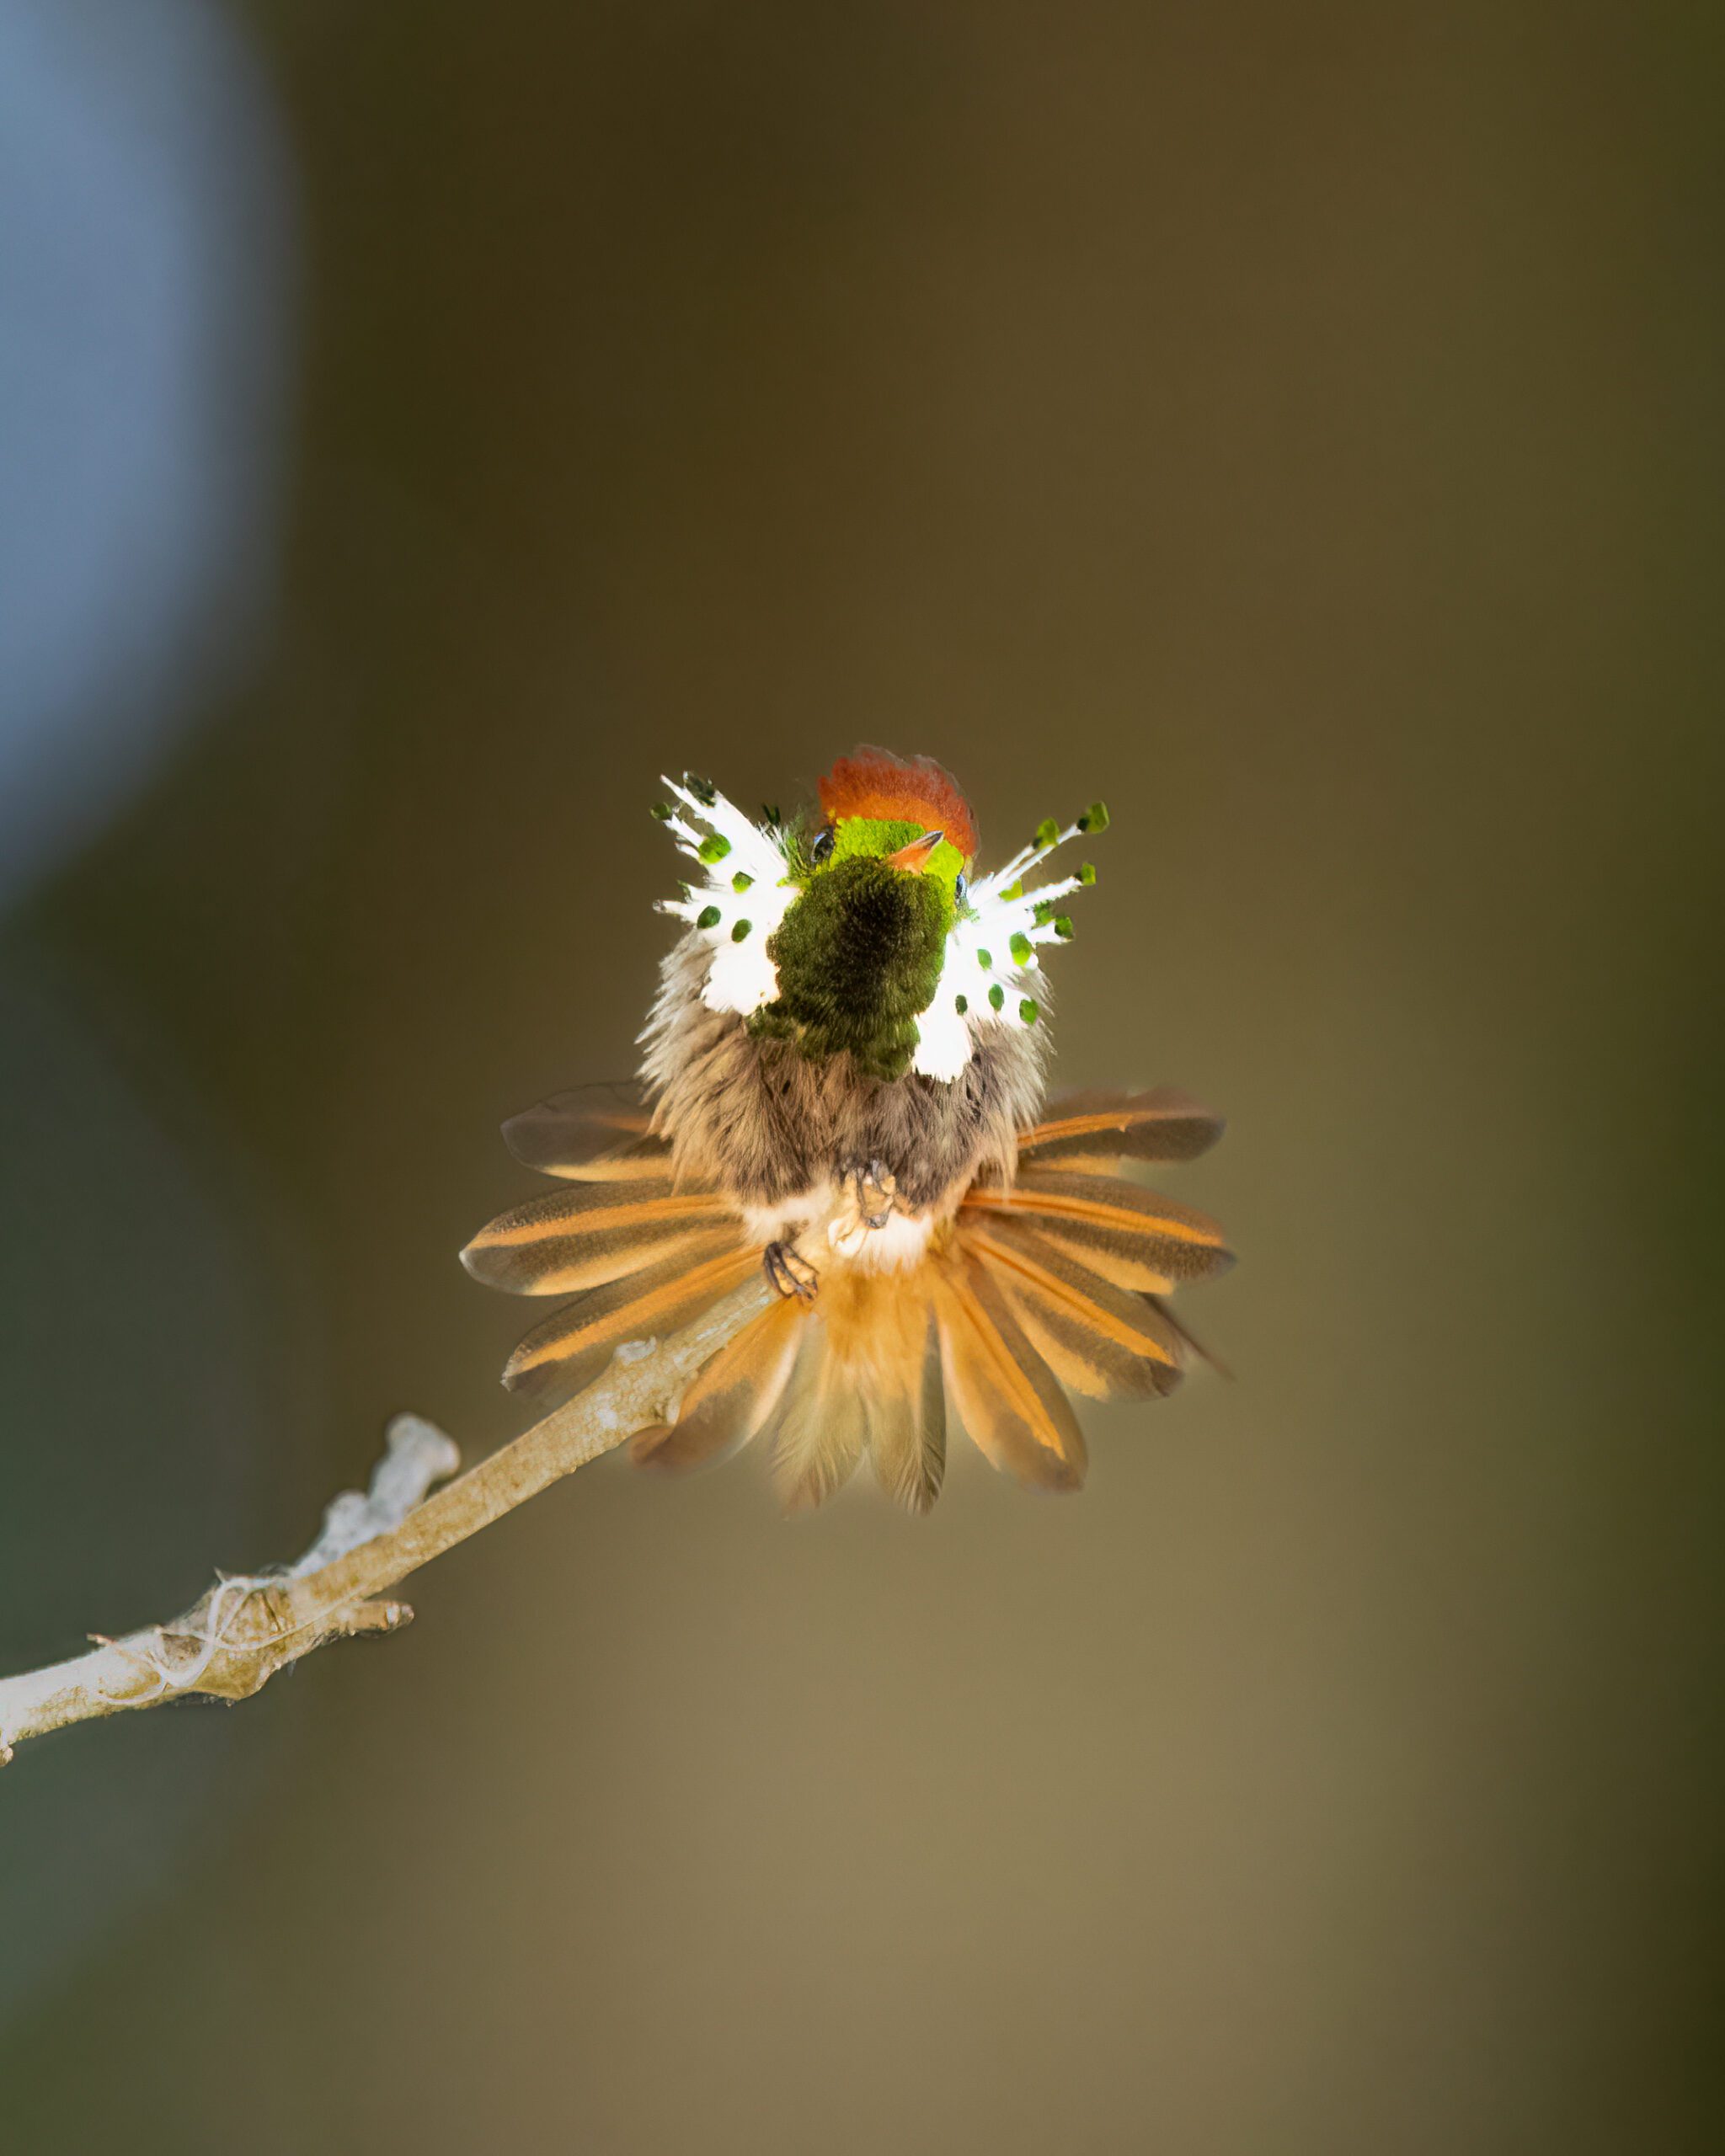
pixel 232 1641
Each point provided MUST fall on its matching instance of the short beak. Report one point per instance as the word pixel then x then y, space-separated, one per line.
pixel 913 859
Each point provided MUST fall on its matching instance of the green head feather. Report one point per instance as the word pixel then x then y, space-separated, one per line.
pixel 860 949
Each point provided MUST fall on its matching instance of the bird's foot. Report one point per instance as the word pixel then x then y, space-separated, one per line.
pixel 872 1190
pixel 789 1273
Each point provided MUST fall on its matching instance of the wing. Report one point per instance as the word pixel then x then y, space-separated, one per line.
pixel 590 1133
pixel 1094 1132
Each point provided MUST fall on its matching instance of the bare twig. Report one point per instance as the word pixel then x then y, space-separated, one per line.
pixel 233 1641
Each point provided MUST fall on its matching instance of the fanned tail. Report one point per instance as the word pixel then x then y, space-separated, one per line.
pixel 822 1430
pixel 858 1373
pixel 1050 1283
pixel 641 1250
pixel 1099 1339
pixel 574 1345
pixel 734 1396
pixel 1005 1394
pixel 909 1437
pixel 869 1381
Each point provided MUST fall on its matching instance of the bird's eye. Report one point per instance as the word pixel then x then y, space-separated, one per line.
pixel 961 888
pixel 821 850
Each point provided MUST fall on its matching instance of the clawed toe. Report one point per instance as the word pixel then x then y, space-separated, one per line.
pixel 791 1273
pixel 875 1189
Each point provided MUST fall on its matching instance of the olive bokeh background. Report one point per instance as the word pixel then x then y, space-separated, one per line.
pixel 1301 428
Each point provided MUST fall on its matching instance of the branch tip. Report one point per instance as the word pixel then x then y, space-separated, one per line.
pixel 235 1637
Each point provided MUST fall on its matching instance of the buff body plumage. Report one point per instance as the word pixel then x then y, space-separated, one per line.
pixel 773 1125
pixel 843 1103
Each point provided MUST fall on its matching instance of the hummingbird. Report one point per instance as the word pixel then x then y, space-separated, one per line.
pixel 843 1081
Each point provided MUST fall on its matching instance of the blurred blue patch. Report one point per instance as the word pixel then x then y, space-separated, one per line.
pixel 145 322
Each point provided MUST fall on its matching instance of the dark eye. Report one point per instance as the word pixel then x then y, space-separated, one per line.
pixel 961 888
pixel 821 850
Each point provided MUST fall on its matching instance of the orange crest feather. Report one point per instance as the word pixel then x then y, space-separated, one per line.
pixel 896 790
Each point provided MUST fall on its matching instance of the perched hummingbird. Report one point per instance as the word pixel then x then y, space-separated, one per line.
pixel 843 1080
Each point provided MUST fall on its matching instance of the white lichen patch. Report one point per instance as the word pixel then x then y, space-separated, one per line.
pixel 991 969
pixel 741 898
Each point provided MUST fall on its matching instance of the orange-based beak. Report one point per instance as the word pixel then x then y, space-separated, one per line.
pixel 913 859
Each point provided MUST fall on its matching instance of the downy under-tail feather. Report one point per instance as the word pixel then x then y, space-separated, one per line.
pixel 866 1381
pixel 867 1369
pixel 822 1429
pixel 908 1431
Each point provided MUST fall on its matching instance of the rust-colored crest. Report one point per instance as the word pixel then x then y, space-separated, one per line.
pixel 897 789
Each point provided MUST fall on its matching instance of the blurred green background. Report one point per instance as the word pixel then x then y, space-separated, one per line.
pixel 1300 427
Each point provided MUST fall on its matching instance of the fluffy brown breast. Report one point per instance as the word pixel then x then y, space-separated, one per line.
pixel 767 1122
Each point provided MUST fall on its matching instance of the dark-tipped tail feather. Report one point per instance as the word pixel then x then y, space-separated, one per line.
pixel 1048 1284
